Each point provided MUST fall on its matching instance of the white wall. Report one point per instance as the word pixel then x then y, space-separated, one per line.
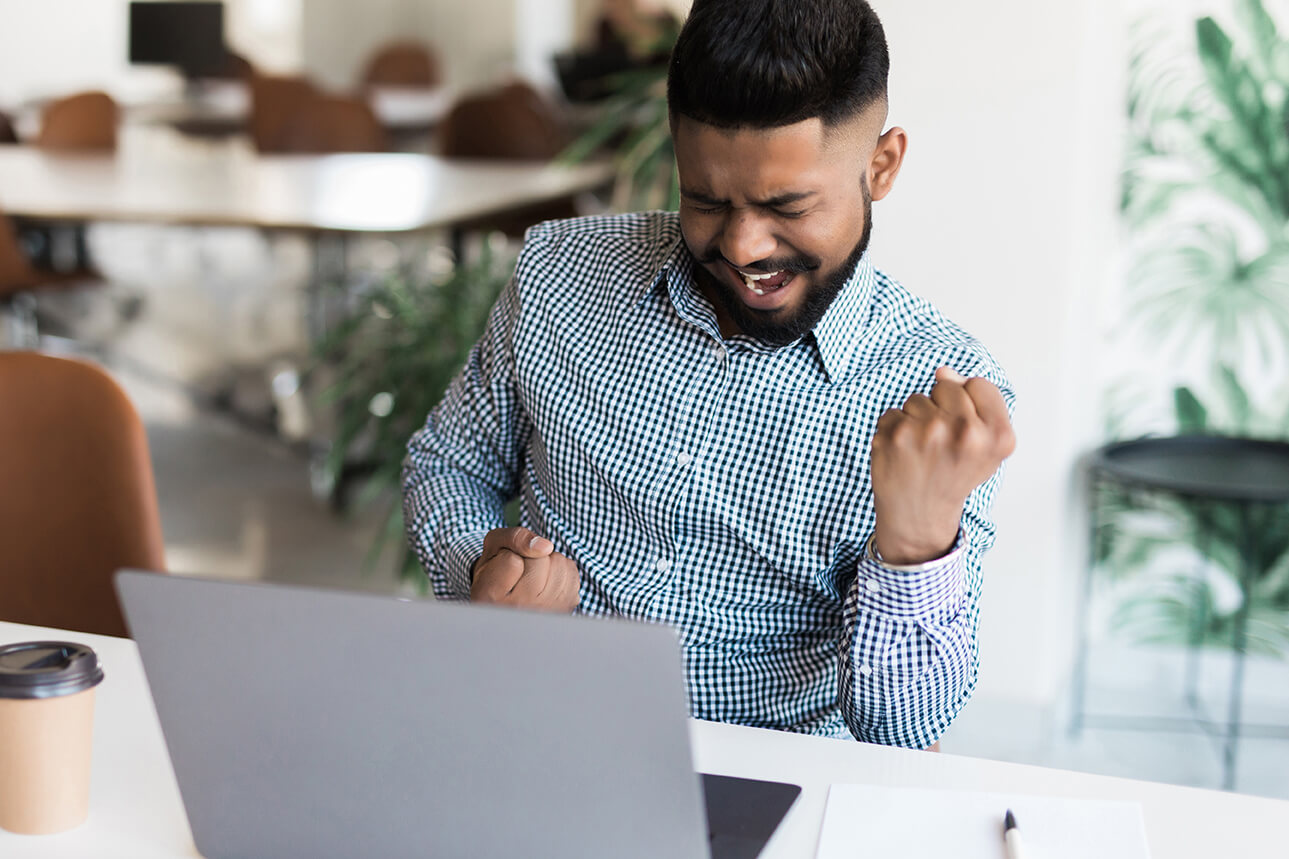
pixel 1004 216
pixel 337 36
pixel 54 47
pixel 475 40
pixel 60 46
pixel 543 28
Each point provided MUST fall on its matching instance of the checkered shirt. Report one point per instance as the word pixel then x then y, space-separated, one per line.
pixel 717 485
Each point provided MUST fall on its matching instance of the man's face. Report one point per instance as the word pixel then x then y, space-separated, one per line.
pixel 779 217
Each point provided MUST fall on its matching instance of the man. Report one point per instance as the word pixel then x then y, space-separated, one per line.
pixel 727 419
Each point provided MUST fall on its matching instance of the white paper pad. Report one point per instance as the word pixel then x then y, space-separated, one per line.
pixel 870 821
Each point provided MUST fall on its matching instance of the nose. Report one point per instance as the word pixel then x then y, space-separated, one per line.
pixel 746 238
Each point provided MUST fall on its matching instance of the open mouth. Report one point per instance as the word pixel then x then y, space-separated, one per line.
pixel 764 283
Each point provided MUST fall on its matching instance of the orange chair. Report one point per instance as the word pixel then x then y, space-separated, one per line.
pixel 512 123
pixel 402 64
pixel 275 104
pixel 79 500
pixel 329 123
pixel 86 121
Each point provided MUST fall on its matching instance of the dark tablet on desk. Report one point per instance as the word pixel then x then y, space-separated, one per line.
pixel 743 813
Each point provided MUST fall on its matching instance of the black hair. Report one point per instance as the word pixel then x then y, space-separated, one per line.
pixel 768 63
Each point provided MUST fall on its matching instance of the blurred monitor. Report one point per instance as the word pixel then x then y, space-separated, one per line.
pixel 189 35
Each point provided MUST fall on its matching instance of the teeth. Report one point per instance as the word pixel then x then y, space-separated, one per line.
pixel 751 279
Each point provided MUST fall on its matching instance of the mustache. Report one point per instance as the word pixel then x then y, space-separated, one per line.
pixel 796 265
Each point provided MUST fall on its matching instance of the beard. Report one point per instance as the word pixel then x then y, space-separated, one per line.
pixel 780 327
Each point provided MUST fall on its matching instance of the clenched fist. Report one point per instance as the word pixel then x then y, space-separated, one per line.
pixel 928 457
pixel 520 569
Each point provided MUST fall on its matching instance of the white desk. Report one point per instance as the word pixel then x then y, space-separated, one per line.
pixel 136 812
pixel 230 185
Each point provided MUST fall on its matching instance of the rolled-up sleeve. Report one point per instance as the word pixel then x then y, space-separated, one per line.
pixel 909 655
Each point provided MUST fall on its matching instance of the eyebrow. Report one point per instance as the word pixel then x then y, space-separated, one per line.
pixel 771 202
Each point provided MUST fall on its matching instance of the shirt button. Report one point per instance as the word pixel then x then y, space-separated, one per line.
pixel 662 565
pixel 872 586
pixel 865 669
pixel 683 459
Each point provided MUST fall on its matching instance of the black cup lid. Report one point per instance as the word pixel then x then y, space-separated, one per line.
pixel 47 669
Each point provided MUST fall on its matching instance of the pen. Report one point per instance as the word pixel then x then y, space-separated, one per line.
pixel 1011 837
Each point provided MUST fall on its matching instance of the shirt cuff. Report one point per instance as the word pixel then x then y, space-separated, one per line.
pixel 463 551
pixel 912 590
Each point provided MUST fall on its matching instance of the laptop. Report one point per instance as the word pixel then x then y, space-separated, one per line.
pixel 316 723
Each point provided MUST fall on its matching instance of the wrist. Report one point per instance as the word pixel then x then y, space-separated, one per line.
pixel 901 551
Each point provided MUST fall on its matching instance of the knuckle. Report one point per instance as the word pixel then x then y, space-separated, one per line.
pixel 938 432
pixel 509 561
pixel 903 435
pixel 970 437
pixel 1006 443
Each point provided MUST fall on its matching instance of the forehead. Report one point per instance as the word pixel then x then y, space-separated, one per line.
pixel 720 161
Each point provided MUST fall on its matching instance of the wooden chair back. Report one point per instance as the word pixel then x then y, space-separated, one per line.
pixel 513 123
pixel 82 122
pixel 403 64
pixel 275 103
pixel 328 123
pixel 510 123
pixel 79 500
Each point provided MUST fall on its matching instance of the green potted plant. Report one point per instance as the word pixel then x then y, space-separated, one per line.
pixel 387 365
pixel 632 124
pixel 1206 202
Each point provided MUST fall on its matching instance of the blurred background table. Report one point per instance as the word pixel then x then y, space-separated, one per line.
pixel 233 186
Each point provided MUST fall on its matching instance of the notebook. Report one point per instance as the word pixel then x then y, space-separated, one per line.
pixel 868 820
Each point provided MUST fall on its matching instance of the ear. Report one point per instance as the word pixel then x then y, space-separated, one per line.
pixel 884 166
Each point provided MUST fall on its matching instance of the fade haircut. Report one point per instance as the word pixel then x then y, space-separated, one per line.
pixel 769 63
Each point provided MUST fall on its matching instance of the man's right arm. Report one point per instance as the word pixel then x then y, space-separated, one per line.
pixel 464 464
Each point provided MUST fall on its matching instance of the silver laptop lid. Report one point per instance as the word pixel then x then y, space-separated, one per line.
pixel 315 723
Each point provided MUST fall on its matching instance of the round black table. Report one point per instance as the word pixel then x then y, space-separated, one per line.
pixel 1247 475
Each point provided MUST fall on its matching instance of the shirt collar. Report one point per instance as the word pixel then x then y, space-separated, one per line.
pixel 837 335
pixel 671 260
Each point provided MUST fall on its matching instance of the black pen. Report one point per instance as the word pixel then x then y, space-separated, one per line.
pixel 1011 837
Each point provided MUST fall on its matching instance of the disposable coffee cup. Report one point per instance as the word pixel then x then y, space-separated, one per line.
pixel 46 734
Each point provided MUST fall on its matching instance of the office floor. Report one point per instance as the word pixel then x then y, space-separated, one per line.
pixel 237 502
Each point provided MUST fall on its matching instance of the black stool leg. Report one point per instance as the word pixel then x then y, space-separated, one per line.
pixel 1079 688
pixel 1199 611
pixel 1239 643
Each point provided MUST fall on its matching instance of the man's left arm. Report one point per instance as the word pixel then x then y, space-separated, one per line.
pixel 909 660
